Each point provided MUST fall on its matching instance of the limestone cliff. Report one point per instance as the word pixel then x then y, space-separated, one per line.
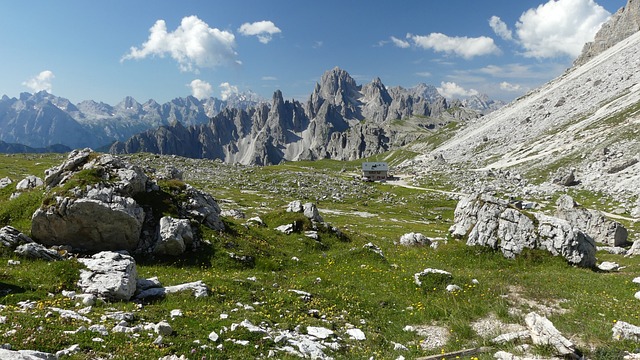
pixel 622 24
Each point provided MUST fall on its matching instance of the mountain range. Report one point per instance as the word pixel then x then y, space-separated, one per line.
pixel 41 120
pixel 340 120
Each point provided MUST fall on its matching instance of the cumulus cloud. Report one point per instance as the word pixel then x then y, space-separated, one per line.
pixel 201 89
pixel 226 90
pixel 452 90
pixel 40 82
pixel 264 30
pixel 193 45
pixel 400 43
pixel 509 87
pixel 559 27
pixel 500 28
pixel 465 47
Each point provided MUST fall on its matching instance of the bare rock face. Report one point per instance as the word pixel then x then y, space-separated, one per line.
pixel 622 24
pixel 544 333
pixel 591 222
pixel 12 237
pixel 487 221
pixel 37 251
pixel 109 275
pixel 412 239
pixel 99 221
pixel 174 236
pixel 203 208
pixel 30 182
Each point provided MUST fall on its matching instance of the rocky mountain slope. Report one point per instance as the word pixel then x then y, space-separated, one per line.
pixel 42 119
pixel 341 120
pixel 587 119
pixel 622 24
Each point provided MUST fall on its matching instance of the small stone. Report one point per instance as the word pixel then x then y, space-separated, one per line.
pixel 356 334
pixel 213 336
pixel 319 332
pixel 163 328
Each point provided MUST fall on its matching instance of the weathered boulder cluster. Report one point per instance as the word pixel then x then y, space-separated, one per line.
pixel 487 221
pixel 101 202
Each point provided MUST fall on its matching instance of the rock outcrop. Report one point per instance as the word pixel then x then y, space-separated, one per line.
pixel 109 275
pixel 591 222
pixel 100 202
pixel 491 222
pixel 620 26
pixel 174 236
pixel 412 239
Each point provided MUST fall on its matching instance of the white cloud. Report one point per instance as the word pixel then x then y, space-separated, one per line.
pixel 451 90
pixel 269 78
pixel 264 30
pixel 400 43
pixel 424 74
pixel 40 82
pixel 509 87
pixel 201 89
pixel 465 47
pixel 226 90
pixel 500 28
pixel 317 44
pixel 193 45
pixel 559 27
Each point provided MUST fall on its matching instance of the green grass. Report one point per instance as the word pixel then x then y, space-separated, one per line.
pixel 349 284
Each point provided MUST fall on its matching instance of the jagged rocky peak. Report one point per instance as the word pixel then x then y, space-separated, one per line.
pixel 620 26
pixel 337 82
pixel 129 103
pixel 376 91
pixel 338 88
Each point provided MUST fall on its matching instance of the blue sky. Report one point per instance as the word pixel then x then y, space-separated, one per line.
pixel 106 50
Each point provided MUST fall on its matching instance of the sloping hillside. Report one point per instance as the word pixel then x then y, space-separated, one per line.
pixel 588 118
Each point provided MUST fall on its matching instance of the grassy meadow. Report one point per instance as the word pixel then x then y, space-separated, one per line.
pixel 350 285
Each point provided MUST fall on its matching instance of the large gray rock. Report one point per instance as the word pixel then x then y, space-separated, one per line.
pixel 561 239
pixel 100 221
pixel 491 222
pixel 625 331
pixel 311 212
pixel 37 251
pixel 203 208
pixel 25 355
pixel 12 237
pixel 109 275
pixel 4 182
pixel 592 222
pixel 544 333
pixel 295 206
pixel 411 239
pixel 30 182
pixel 174 236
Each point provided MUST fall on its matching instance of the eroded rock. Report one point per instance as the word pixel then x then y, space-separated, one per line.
pixel 491 222
pixel 591 222
pixel 109 275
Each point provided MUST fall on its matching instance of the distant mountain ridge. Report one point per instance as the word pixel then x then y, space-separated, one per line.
pixel 340 120
pixel 42 119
